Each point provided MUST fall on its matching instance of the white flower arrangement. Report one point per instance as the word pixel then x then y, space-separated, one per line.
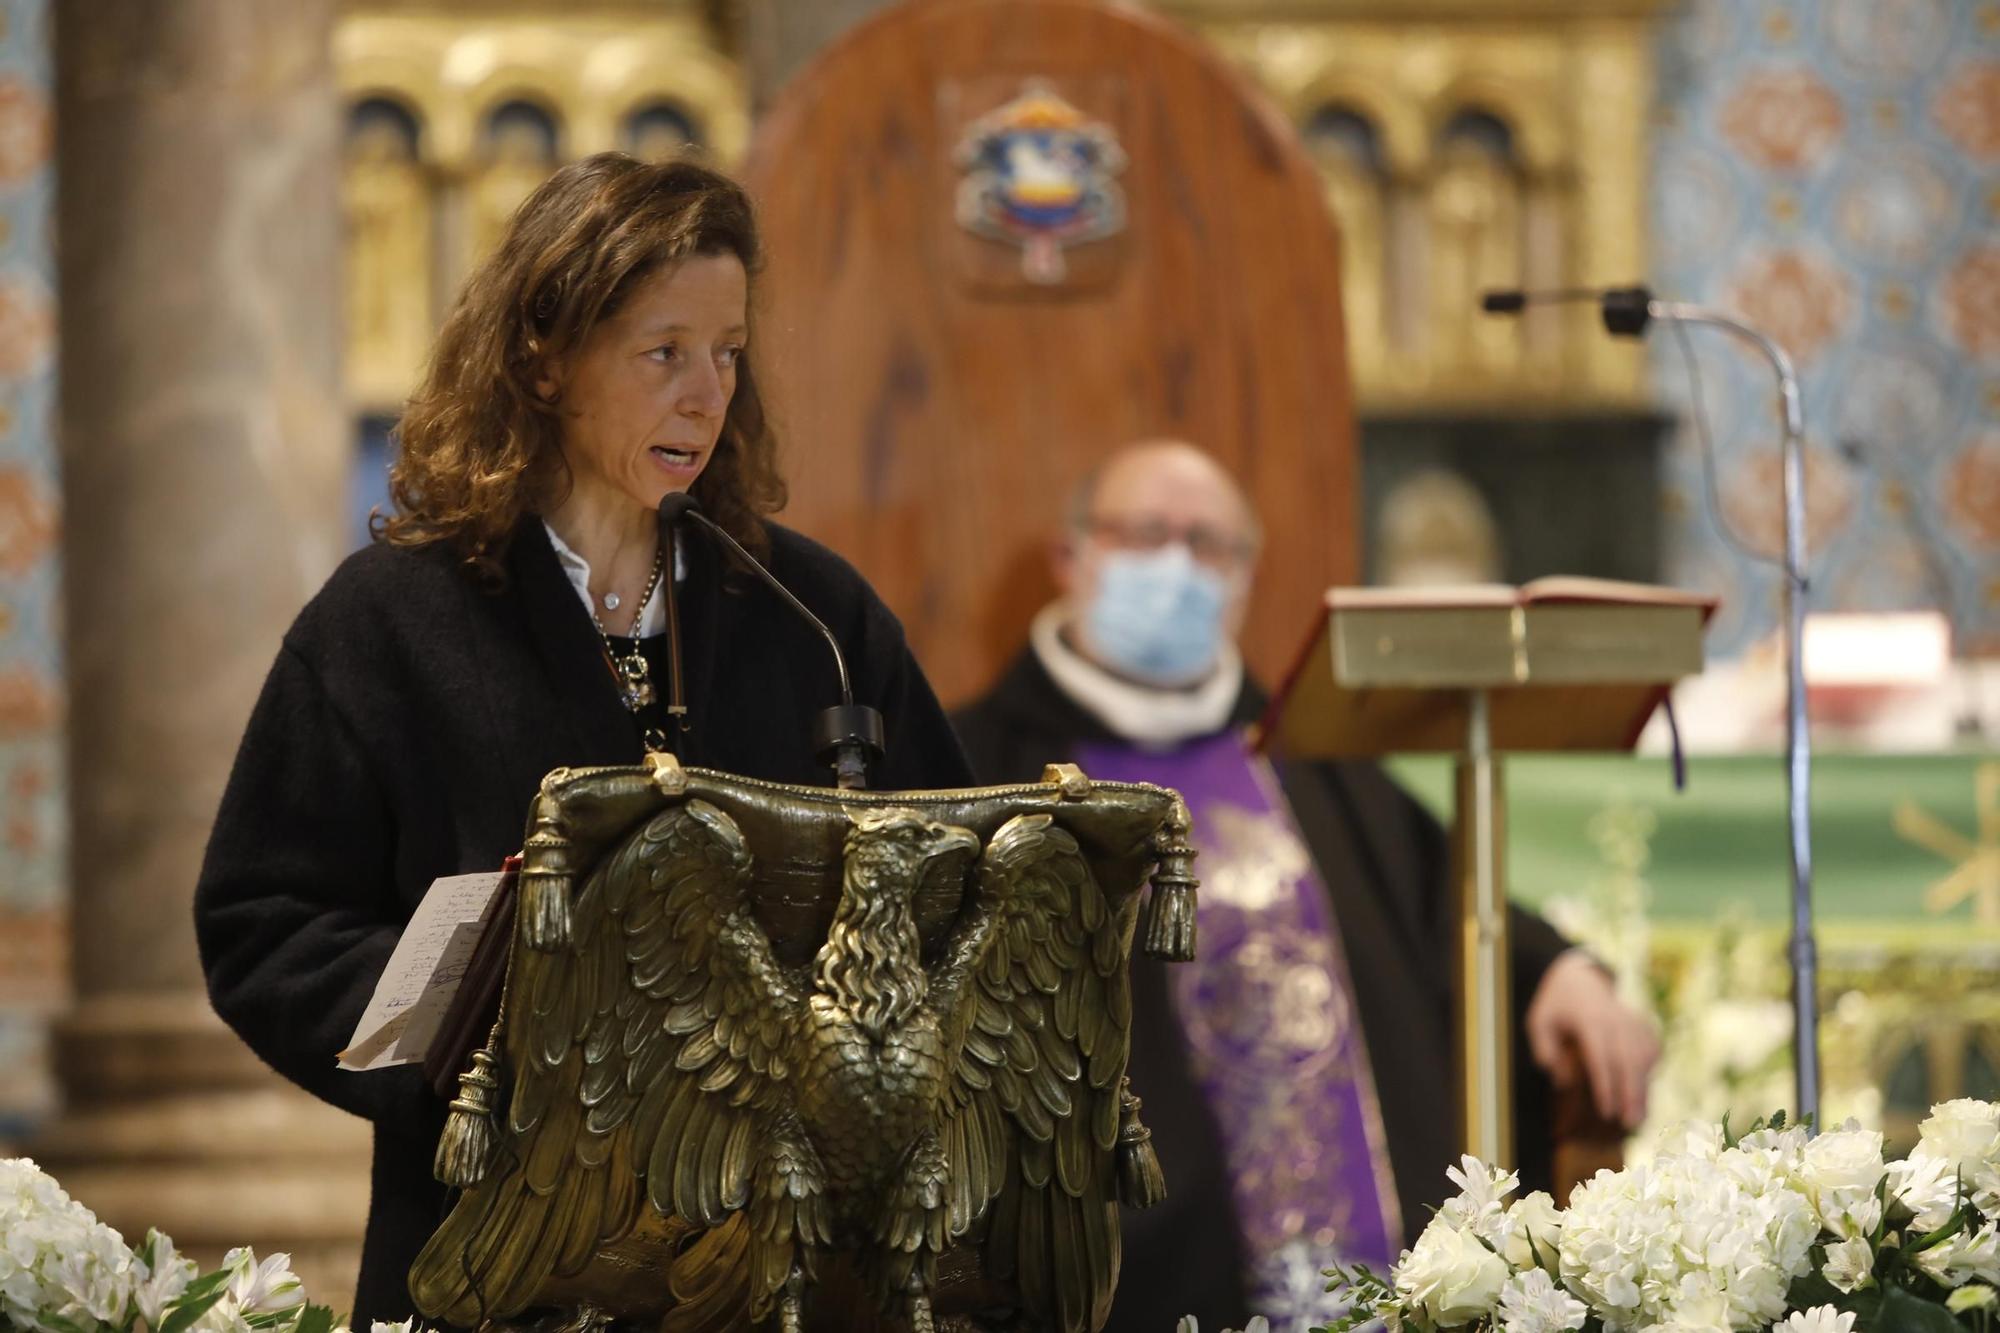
pixel 1773 1231
pixel 63 1271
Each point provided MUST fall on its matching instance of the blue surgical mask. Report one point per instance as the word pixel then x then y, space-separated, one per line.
pixel 1157 615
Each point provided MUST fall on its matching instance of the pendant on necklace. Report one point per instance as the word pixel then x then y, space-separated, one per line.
pixel 635 681
pixel 611 600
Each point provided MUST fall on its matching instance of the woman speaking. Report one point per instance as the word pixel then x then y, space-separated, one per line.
pixel 509 620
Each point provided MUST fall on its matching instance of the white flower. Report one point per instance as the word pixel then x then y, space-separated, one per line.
pixel 1927 1185
pixel 1965 1132
pixel 1618 1242
pixel 159 1276
pixel 404 1325
pixel 1820 1319
pixel 1700 1302
pixel 1971 1296
pixel 1963 1256
pixel 57 1261
pixel 1850 1264
pixel 1692 1138
pixel 1532 1231
pixel 1703 1239
pixel 1776 1149
pixel 1450 1275
pixel 262 1288
pixel 1479 1205
pixel 1840 1170
pixel 1986 1192
pixel 1531 1302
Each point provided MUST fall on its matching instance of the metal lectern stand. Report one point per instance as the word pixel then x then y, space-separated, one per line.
pixel 1560 664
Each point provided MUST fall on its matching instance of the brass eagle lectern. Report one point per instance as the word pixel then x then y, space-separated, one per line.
pixel 829 1057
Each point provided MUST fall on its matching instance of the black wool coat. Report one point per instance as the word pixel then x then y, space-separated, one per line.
pixel 406 725
pixel 1386 865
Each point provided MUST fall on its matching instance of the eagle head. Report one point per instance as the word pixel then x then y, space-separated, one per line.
pixel 889 852
pixel 872 959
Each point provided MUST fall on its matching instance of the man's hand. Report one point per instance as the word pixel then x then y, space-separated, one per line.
pixel 1577 1024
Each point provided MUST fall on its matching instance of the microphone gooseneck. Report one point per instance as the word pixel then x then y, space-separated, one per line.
pixel 847 736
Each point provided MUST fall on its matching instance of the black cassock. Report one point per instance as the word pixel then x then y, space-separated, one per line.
pixel 408 721
pixel 1386 864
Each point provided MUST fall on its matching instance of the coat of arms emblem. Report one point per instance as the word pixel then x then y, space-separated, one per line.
pixel 1038 174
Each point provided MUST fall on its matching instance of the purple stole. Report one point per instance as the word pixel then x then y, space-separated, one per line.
pixel 1272 1031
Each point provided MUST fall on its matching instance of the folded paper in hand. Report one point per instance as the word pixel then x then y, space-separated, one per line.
pixel 416 987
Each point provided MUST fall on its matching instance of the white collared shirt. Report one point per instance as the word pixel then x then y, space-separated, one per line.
pixel 652 617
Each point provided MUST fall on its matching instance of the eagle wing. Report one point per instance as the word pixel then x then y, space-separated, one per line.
pixel 1042 1017
pixel 647 1059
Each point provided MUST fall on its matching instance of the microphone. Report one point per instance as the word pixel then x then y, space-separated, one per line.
pixel 847 736
pixel 1626 310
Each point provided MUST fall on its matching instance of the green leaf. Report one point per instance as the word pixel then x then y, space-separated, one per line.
pixel 186 1310
pixel 204 1284
pixel 1952 1226
pixel 1908 1313
pixel 315 1319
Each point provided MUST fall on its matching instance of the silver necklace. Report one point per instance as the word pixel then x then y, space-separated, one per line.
pixel 634 676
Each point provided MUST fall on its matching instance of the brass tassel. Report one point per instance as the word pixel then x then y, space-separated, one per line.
pixel 1140 1181
pixel 465 1149
pixel 545 911
pixel 1170 908
pixel 1170 922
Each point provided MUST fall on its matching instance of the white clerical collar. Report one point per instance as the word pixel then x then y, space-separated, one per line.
pixel 1136 713
pixel 652 620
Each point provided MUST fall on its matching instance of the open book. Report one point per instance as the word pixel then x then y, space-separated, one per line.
pixel 1565 663
pixel 1559 589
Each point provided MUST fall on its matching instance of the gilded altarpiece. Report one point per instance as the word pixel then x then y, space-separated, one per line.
pixel 1467 146
pixel 457 112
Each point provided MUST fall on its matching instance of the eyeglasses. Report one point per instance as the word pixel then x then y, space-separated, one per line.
pixel 1211 546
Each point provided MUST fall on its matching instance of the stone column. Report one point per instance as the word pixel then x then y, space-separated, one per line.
pixel 205 459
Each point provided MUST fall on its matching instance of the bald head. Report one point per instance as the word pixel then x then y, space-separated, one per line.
pixel 1167 482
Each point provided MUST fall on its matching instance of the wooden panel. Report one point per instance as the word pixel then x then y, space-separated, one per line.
pixel 936 409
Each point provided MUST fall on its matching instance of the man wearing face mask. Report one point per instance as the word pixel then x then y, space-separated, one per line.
pixel 1298 1075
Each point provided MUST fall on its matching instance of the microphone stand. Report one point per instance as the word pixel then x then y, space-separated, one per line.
pixel 1798 737
pixel 1627 311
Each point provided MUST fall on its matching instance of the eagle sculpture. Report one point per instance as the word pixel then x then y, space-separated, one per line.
pixel 697 1122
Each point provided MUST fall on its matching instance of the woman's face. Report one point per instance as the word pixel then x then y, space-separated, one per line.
pixel 642 401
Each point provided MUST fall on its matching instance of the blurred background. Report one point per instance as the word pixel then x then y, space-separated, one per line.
pixel 228 229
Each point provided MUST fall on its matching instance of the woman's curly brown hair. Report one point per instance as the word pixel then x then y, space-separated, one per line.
pixel 478 445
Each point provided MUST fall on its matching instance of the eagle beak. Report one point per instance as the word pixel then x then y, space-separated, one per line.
pixel 949 838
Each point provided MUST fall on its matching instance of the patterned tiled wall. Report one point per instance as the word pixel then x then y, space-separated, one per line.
pixel 1831 170
pixel 33 923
